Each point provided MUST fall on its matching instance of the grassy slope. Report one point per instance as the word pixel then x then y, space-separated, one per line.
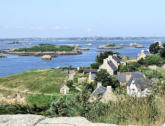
pixel 42 81
pixel 46 48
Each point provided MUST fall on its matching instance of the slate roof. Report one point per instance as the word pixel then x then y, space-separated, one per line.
pixel 90 70
pixel 99 92
pixel 147 53
pixel 116 59
pixel 140 82
pixel 110 63
pixel 120 77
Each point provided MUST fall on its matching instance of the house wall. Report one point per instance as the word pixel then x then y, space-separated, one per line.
pixel 106 67
pixel 64 90
pixel 132 90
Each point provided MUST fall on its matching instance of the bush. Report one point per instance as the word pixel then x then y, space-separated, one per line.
pixel 154 48
pixel 153 60
pixel 106 79
pixel 95 65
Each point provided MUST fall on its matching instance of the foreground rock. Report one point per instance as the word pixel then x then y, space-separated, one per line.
pixel 46 57
pixel 37 120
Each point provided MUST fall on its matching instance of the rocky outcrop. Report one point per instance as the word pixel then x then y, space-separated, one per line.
pixel 38 120
pixel 46 57
pixel 110 47
pixel 45 53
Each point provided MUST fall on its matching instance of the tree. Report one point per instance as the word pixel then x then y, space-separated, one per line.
pixel 162 52
pixel 123 68
pixel 133 66
pixel 154 48
pixel 106 79
pixel 95 65
pixel 104 55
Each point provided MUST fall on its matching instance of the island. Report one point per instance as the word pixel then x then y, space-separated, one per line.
pixel 18 43
pixel 110 46
pixel 46 49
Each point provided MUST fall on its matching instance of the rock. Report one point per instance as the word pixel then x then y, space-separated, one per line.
pixel 3 56
pixel 125 57
pixel 20 120
pixel 46 57
pixel 38 120
pixel 84 48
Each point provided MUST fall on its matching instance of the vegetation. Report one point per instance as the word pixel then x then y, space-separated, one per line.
pixel 94 65
pixel 152 60
pixel 154 48
pixel 46 48
pixel 36 81
pixel 110 45
pixel 106 79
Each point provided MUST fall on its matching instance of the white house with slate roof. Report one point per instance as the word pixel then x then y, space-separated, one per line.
pixel 143 54
pixel 138 87
pixel 111 64
pixel 104 94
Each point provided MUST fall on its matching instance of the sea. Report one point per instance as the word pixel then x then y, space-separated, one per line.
pixel 14 64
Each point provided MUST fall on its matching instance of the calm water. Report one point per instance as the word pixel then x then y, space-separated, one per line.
pixel 16 64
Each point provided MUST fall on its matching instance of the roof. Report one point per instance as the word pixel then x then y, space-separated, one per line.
pixel 120 77
pixel 98 92
pixel 147 53
pixel 116 59
pixel 110 63
pixel 140 82
pixel 62 85
pixel 90 70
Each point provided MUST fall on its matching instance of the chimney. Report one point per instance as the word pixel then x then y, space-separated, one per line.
pixel 99 84
pixel 109 88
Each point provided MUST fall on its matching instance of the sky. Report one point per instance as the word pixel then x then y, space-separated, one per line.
pixel 81 18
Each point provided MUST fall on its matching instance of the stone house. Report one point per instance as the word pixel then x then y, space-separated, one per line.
pixel 91 77
pixel 124 77
pixel 64 89
pixel 143 54
pixel 138 87
pixel 104 94
pixel 111 64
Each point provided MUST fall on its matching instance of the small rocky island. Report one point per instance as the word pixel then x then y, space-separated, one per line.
pixel 113 46
pixel 110 46
pixel 18 43
pixel 46 49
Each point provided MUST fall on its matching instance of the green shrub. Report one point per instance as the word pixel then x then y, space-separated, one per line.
pixel 95 65
pixel 46 48
pixel 106 79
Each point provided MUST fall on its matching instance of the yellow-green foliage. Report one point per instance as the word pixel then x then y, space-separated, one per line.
pixel 41 81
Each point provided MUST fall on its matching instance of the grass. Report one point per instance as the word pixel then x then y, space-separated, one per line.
pixel 46 48
pixel 37 81
pixel 110 45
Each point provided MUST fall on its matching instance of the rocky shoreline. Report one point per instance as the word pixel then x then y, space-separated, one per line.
pixel 136 45
pixel 44 53
pixel 38 120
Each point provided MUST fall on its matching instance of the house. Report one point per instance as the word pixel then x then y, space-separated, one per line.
pixel 64 89
pixel 91 77
pixel 104 94
pixel 111 64
pixel 124 77
pixel 143 54
pixel 138 87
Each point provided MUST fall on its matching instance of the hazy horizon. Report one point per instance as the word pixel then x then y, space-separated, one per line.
pixel 73 18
